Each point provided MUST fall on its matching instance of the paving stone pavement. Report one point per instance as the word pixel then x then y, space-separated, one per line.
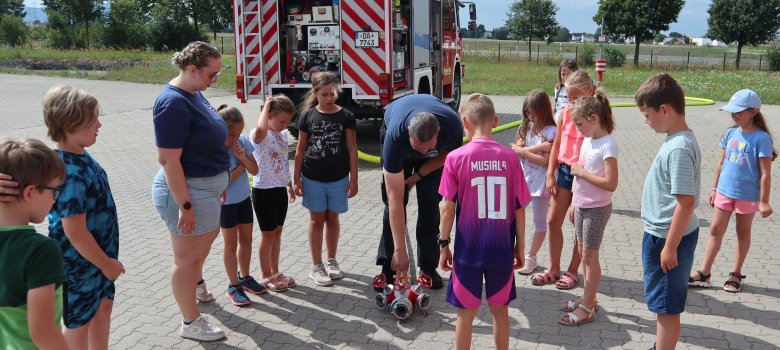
pixel 344 316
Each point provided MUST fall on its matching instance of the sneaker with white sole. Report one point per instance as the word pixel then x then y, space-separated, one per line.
pixel 319 275
pixel 529 265
pixel 202 293
pixel 334 272
pixel 201 329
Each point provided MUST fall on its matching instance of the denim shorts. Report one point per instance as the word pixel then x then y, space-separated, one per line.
pixel 666 293
pixel 204 196
pixel 320 196
pixel 564 179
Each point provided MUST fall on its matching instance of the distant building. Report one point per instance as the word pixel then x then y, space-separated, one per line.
pixel 583 38
pixel 707 42
pixel 676 41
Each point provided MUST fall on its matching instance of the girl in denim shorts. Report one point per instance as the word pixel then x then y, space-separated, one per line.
pixel 325 170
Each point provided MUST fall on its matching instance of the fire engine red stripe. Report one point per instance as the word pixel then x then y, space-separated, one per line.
pixel 373 74
pixel 359 19
pixel 272 70
pixel 356 79
pixel 351 66
pixel 271 12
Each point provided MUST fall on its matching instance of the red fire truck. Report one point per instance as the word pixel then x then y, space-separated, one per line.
pixel 381 50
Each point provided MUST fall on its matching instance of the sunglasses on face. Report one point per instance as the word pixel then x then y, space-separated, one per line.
pixel 213 76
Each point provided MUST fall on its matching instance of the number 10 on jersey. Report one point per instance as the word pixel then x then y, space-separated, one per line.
pixel 486 196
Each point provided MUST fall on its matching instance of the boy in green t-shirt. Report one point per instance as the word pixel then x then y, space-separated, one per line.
pixel 33 274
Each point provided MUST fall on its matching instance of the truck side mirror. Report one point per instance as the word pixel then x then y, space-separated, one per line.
pixel 472 25
pixel 473 12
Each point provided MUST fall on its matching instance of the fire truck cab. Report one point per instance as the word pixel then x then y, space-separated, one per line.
pixel 381 50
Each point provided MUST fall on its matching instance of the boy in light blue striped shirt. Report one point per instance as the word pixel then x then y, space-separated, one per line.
pixel 669 198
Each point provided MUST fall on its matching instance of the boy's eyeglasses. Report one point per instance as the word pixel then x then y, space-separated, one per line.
pixel 213 76
pixel 54 190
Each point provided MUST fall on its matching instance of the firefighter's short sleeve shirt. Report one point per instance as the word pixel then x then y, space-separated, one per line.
pixel 396 147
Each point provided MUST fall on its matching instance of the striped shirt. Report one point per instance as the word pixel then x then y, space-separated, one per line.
pixel 676 170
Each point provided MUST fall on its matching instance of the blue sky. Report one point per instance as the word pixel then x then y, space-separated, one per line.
pixel 577 15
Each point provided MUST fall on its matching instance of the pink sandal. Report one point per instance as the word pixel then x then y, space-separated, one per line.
pixel 274 283
pixel 567 281
pixel 542 278
pixel 289 281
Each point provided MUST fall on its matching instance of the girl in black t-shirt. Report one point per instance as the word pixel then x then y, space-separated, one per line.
pixel 325 172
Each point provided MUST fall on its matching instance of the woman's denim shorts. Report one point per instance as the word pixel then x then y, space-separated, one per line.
pixel 204 196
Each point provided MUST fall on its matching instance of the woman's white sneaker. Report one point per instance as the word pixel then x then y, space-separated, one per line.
pixel 201 329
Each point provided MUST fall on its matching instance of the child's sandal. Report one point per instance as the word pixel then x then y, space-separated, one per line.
pixel 289 281
pixel 567 281
pixel 274 284
pixel 702 282
pixel 542 278
pixel 572 305
pixel 571 319
pixel 734 286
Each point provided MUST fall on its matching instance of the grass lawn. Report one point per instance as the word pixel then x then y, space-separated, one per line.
pixel 483 74
pixel 518 78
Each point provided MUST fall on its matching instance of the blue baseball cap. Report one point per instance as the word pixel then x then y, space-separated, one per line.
pixel 742 100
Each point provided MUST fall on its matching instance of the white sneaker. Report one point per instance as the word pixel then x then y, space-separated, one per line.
pixel 332 266
pixel 201 329
pixel 529 265
pixel 202 293
pixel 319 275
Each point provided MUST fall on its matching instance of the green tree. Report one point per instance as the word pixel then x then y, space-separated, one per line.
pixel 563 35
pixel 170 27
pixel 14 7
pixel 12 29
pixel 74 13
pixel 744 22
pixel 676 35
pixel 641 19
pixel 219 16
pixel 124 28
pixel 500 33
pixel 660 37
pixel 528 19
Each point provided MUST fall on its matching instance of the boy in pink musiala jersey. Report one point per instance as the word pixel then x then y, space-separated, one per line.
pixel 483 184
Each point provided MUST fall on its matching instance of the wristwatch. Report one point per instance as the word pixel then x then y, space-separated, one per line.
pixel 186 205
pixel 443 242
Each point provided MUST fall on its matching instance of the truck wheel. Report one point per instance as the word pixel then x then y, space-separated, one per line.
pixel 455 104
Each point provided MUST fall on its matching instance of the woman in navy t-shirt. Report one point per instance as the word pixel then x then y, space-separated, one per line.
pixel 190 138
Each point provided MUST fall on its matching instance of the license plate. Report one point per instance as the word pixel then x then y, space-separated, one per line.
pixel 366 39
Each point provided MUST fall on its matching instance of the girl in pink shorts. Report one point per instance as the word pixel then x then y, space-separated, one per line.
pixel 742 182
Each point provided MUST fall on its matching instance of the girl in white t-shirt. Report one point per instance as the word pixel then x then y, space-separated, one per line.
pixel 595 178
pixel 561 97
pixel 534 140
pixel 272 190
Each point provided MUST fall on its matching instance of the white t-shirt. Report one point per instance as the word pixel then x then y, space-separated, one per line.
pixel 536 175
pixel 271 157
pixel 592 156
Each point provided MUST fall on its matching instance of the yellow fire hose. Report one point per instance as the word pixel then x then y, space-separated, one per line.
pixel 690 101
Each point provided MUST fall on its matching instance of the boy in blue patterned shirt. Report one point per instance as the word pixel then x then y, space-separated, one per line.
pixel 83 220
pixel 32 275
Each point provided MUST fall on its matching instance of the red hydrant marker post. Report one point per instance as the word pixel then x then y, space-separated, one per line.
pixel 601 67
